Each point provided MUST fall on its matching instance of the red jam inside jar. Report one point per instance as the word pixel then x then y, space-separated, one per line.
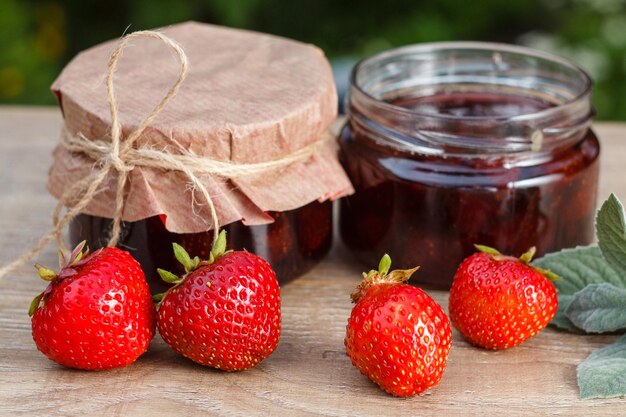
pixel 455 144
pixel 296 240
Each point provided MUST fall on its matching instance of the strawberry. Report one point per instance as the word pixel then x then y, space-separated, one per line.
pixel 96 313
pixel 397 335
pixel 224 312
pixel 499 301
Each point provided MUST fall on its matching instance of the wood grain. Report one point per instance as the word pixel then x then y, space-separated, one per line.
pixel 308 375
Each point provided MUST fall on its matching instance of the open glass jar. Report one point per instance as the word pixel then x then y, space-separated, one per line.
pixel 454 144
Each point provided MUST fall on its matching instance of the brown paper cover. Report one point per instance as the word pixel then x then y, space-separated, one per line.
pixel 248 97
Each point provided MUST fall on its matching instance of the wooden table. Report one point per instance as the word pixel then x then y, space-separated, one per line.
pixel 309 374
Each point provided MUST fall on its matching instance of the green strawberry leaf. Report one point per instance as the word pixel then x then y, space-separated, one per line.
pixel 46 274
pixel 168 277
pixel 183 257
pixel 34 305
pixel 384 265
pixel 488 250
pixel 598 308
pixel 400 275
pixel 77 253
pixel 611 233
pixel 219 246
pixel 528 255
pixel 603 373
pixel 577 267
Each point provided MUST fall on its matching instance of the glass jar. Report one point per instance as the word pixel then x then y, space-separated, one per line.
pixel 454 144
pixel 296 240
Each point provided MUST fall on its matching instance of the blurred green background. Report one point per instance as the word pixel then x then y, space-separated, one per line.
pixel 38 37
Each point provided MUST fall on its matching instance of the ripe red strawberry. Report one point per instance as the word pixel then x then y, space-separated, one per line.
pixel 224 312
pixel 397 335
pixel 499 301
pixel 96 313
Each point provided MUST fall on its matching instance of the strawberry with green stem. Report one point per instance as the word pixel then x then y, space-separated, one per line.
pixel 397 335
pixel 96 313
pixel 498 301
pixel 224 312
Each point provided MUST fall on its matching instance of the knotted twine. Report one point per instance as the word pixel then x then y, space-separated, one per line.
pixel 121 156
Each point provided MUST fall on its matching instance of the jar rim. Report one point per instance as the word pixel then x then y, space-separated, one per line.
pixel 468 46
pixel 561 89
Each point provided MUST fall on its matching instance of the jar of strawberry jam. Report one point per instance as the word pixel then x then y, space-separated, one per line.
pixel 454 144
pixel 293 243
pixel 247 130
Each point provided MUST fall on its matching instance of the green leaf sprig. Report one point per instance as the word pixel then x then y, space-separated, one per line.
pixel 592 299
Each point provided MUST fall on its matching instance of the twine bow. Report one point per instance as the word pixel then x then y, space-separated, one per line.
pixel 122 157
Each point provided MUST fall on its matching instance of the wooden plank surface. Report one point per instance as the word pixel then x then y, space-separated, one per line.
pixel 308 374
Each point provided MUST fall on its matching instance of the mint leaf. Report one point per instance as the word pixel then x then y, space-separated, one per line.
pixel 598 308
pixel 579 267
pixel 603 373
pixel 560 319
pixel 611 233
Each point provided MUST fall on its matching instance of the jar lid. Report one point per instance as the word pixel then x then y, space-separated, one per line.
pixel 248 98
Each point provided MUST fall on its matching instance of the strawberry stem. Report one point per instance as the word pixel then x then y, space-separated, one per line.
pixel 167 276
pixel 219 247
pixel 526 258
pixel 547 273
pixel 46 274
pixel 384 265
pixel 34 305
pixel 183 257
pixel 191 264
pixel 399 275
pixel 488 250
pixel 382 275
pixel 79 253
pixel 528 255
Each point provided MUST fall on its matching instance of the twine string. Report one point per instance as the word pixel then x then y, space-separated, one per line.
pixel 163 159
pixel 118 151
pixel 122 157
pixel 77 197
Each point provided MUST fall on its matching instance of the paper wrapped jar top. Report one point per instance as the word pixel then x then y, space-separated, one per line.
pixel 248 97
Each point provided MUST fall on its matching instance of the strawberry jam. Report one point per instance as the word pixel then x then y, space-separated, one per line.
pixel 467 155
pixel 290 244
